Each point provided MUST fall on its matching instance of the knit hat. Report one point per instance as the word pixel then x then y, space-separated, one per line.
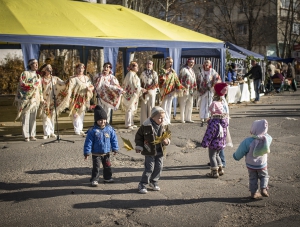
pixel 99 113
pixel 156 110
pixel 221 89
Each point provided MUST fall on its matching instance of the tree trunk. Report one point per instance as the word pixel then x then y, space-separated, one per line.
pixel 286 33
pixel 100 60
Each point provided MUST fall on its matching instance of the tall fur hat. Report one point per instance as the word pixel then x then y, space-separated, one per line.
pixel 99 113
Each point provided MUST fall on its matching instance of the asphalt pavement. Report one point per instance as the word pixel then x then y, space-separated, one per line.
pixel 48 185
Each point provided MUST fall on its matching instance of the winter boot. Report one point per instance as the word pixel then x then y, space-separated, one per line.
pixel 220 171
pixel 264 192
pixel 255 195
pixel 214 172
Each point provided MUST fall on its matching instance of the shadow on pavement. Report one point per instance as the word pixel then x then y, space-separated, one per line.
pixel 145 203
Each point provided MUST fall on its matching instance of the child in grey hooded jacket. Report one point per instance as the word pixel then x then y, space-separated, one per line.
pixel 256 149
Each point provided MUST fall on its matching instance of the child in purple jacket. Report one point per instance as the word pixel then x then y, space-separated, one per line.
pixel 215 135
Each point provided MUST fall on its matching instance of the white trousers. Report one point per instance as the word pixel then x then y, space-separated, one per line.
pixel 48 125
pixel 206 100
pixel 106 109
pixel 147 107
pixel 174 106
pixel 78 123
pixel 29 124
pixel 167 106
pixel 186 107
pixel 129 115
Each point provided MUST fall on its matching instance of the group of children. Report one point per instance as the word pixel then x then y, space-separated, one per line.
pixel 101 140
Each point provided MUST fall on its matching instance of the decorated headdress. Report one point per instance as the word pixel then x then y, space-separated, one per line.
pixel 31 61
pixel 108 63
pixel 207 61
pixel 167 59
pixel 131 65
pixel 79 65
pixel 190 60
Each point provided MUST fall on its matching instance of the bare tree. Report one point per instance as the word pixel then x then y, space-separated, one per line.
pixel 288 27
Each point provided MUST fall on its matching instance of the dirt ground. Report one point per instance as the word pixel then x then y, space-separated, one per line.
pixel 48 185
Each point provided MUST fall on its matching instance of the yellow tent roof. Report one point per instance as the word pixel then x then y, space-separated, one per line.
pixel 81 23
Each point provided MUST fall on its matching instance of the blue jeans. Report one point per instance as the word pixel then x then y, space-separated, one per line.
pixel 256 88
pixel 214 158
pixel 222 157
pixel 254 175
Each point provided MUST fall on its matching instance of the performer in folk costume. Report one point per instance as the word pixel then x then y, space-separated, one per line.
pixel 48 110
pixel 28 99
pixel 78 94
pixel 188 80
pixel 149 81
pixel 133 90
pixel 205 83
pixel 170 87
pixel 108 90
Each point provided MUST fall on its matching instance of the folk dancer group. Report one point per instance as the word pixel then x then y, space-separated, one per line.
pixel 37 91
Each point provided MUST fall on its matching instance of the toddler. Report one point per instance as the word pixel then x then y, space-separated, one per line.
pixel 100 140
pixel 256 149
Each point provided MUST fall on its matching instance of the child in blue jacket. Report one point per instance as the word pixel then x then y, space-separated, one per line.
pixel 256 149
pixel 100 141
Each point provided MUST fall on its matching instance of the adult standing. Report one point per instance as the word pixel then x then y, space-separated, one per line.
pixel 28 98
pixel 79 92
pixel 149 81
pixel 256 75
pixel 170 87
pixel 187 79
pixel 52 85
pixel 133 90
pixel 108 89
pixel 290 75
pixel 205 83
pixel 270 69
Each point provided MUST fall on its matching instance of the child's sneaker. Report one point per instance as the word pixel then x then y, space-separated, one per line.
pixel 154 186
pixel 94 183
pixel 109 181
pixel 142 189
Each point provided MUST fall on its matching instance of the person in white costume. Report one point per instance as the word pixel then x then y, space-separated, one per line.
pixel 108 89
pixel 170 87
pixel 28 99
pixel 133 90
pixel 149 81
pixel 205 83
pixel 79 92
pixel 187 79
pixel 48 110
